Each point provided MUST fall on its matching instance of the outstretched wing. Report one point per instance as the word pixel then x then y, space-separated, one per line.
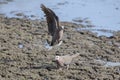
pixel 52 19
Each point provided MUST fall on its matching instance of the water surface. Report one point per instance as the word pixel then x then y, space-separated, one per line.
pixel 108 63
pixel 103 14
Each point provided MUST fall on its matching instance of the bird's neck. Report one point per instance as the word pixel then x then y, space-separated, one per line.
pixel 60 61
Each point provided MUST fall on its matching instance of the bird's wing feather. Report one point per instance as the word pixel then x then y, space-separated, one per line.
pixel 52 19
pixel 66 59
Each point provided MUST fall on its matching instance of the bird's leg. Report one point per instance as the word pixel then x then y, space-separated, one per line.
pixel 52 41
pixel 48 41
pixel 59 67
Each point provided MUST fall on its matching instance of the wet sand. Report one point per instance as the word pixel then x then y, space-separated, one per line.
pixel 23 55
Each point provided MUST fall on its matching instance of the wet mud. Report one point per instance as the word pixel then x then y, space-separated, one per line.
pixel 23 55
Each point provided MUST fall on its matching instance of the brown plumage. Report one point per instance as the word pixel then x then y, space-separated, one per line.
pixel 65 60
pixel 54 28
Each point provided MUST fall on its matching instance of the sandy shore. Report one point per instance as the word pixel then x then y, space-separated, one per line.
pixel 24 57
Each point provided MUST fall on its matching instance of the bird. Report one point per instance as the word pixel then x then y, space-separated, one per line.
pixel 65 60
pixel 54 28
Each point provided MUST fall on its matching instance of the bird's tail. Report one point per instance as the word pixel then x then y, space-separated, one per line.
pixel 75 55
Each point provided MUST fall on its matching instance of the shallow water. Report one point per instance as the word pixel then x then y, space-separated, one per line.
pixel 108 63
pixel 112 64
pixel 103 14
pixel 99 32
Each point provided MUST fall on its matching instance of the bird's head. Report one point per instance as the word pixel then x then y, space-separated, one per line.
pixel 57 57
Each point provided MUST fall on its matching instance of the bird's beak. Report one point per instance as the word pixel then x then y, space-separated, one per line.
pixel 54 60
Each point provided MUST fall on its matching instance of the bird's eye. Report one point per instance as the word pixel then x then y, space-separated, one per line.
pixel 56 57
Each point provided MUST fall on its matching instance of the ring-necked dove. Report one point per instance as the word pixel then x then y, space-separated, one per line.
pixel 65 60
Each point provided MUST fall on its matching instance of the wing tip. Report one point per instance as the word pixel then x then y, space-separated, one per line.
pixel 42 6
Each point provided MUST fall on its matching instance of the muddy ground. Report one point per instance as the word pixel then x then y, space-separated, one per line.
pixel 24 57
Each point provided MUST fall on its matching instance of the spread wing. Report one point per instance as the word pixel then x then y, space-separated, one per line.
pixel 52 19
